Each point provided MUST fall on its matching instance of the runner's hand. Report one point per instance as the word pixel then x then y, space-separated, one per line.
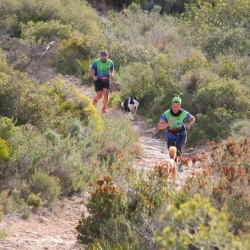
pixel 187 125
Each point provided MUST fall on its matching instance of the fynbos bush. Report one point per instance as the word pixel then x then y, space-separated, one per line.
pixel 47 186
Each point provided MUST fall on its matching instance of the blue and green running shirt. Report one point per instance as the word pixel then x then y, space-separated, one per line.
pixel 102 68
pixel 178 122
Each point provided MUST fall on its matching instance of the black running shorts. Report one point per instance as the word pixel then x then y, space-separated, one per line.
pixel 100 85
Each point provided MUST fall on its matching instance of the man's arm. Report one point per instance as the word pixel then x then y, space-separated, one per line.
pixel 92 73
pixel 111 72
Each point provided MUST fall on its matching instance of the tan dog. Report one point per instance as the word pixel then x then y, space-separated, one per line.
pixel 168 166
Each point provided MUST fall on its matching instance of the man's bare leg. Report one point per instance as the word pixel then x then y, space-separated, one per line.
pixel 105 100
pixel 97 97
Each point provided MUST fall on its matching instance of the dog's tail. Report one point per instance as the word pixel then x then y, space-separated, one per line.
pixel 122 104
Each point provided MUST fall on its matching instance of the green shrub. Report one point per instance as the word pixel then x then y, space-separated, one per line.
pixel 35 200
pixel 12 202
pixel 224 40
pixel 77 129
pixel 8 18
pixel 154 86
pixel 229 69
pixel 45 105
pixel 78 13
pixel 45 31
pixel 78 106
pixel 83 73
pixel 115 99
pixel 25 101
pixel 228 94
pixel 77 48
pixel 36 10
pixel 139 85
pixel 7 128
pixel 15 202
pixel 213 125
pixel 194 59
pixel 69 158
pixel 125 53
pixel 240 129
pixel 217 105
pixel 47 186
pixel 196 224
pixel 52 136
pixel 4 150
pixel 219 27
pixel 237 126
pixel 136 28
pixel 81 16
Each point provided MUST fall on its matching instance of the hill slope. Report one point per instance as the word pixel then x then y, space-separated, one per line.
pixel 55 230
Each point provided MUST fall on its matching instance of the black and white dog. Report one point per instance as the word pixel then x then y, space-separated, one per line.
pixel 130 105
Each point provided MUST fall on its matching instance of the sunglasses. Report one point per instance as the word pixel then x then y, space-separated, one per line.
pixel 104 54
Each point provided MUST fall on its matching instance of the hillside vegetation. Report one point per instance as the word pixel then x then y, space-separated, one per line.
pixel 53 142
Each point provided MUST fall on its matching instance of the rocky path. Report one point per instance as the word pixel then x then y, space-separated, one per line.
pixel 56 230
pixel 155 150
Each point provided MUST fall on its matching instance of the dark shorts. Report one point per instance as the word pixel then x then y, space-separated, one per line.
pixel 178 143
pixel 100 85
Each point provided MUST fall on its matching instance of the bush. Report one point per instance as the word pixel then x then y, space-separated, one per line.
pixel 211 126
pixel 126 53
pixel 47 186
pixel 7 128
pixel 196 224
pixel 106 202
pixel 36 10
pixel 78 48
pixel 25 101
pixel 220 27
pixel 45 31
pixel 217 105
pixel 137 27
pixel 228 168
pixel 4 150
pixel 4 195
pixel 139 85
pixel 15 202
pixel 81 16
pixel 123 209
pixel 35 200
pixel 240 129
pixel 224 40
pixel 194 59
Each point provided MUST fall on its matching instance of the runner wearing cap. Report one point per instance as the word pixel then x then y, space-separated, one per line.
pixel 101 71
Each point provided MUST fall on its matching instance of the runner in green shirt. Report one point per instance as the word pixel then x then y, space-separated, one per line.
pixel 101 71
pixel 174 120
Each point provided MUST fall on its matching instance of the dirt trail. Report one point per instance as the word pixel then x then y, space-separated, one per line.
pixel 56 230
